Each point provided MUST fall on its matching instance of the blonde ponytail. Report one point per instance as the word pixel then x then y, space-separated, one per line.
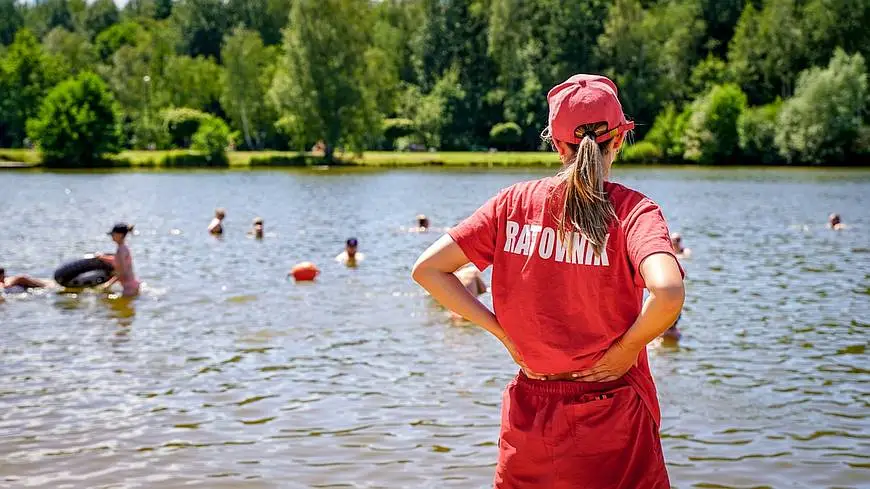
pixel 586 207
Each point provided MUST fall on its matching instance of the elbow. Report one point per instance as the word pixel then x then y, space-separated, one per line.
pixel 418 271
pixel 671 295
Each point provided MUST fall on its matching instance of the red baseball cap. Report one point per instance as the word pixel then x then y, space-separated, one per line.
pixel 581 100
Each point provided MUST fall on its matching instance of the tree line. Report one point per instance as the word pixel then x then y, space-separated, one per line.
pixel 707 81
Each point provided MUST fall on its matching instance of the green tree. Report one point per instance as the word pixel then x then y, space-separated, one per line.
pixel 832 24
pixel 99 16
pixel 77 123
pixel 266 17
pixel 193 82
pixel 708 73
pixel 768 50
pixel 650 53
pixel 127 33
pixel 10 21
pixel 434 113
pixel 46 15
pixel 505 135
pixel 248 72
pixel 711 133
pixel 150 9
pixel 181 124
pixel 72 49
pixel 756 131
pixel 321 80
pixel 26 75
pixel 820 123
pixel 202 25
pixel 212 138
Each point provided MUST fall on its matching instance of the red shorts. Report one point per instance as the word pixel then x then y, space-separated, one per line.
pixel 577 435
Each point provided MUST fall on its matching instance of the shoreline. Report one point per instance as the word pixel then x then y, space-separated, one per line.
pixel 24 159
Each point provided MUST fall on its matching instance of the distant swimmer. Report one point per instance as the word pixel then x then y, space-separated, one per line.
pixel 677 244
pixel 350 256
pixel 20 281
pixel 122 261
pixel 257 230
pixel 422 224
pixel 835 223
pixel 216 227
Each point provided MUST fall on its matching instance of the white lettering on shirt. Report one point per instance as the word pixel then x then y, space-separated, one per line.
pixel 524 242
pixel 512 230
pixel 574 249
pixel 548 239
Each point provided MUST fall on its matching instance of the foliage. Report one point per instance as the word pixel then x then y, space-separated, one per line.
pixel 212 138
pixel 247 74
pixel 110 40
pixel 321 78
pixel 72 49
pixel 756 130
pixel 77 123
pixel 344 72
pixel 642 152
pixel 11 20
pixel 26 75
pixel 99 16
pixel 505 135
pixel 711 133
pixel 181 124
pixel 822 120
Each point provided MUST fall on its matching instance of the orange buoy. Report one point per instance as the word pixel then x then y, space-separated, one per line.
pixel 304 272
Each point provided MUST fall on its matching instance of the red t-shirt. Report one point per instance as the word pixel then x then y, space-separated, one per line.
pixel 563 306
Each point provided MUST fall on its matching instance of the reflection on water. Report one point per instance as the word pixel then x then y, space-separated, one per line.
pixel 224 374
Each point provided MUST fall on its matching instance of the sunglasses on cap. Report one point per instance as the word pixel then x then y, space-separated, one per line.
pixel 617 133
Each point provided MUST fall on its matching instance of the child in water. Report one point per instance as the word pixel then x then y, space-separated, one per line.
pixel 20 281
pixel 122 262
pixel 257 230
pixel 835 223
pixel 350 256
pixel 216 226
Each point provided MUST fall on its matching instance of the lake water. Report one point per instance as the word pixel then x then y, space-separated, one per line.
pixel 224 374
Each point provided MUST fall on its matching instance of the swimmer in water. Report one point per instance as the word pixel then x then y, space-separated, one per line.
pixel 677 244
pixel 122 262
pixel 22 281
pixel 422 224
pixel 257 230
pixel 350 256
pixel 835 223
pixel 216 227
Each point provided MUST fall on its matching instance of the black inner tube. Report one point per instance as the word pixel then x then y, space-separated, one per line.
pixel 86 272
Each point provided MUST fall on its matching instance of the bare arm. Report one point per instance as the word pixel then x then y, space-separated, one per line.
pixel 434 272
pixel 664 281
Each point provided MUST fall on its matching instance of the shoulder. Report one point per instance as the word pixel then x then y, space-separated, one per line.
pixel 627 201
pixel 531 189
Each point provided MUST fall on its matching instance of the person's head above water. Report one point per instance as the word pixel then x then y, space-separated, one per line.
pixel 119 231
pixel 677 242
pixel 258 227
pixel 833 219
pixel 2 274
pixel 586 126
pixel 422 221
pixel 220 213
pixel 350 247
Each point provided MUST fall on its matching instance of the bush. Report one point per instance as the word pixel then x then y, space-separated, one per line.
pixel 642 152
pixel 711 132
pixel 820 123
pixel 756 131
pixel 667 132
pixel 212 138
pixel 78 123
pixel 181 124
pixel 505 135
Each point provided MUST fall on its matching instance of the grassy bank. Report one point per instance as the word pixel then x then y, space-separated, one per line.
pixel 254 159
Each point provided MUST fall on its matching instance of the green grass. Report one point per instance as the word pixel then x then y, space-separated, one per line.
pixel 19 155
pixel 251 159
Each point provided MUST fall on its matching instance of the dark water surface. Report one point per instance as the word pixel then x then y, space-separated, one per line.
pixel 223 374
